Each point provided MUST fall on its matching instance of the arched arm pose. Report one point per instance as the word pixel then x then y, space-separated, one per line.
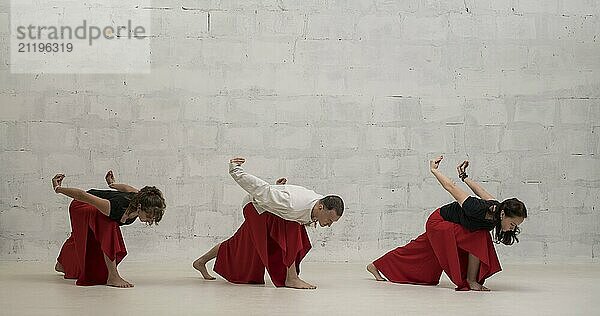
pixel 95 248
pixel 456 238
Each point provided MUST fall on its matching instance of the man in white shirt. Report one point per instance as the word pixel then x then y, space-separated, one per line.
pixel 273 234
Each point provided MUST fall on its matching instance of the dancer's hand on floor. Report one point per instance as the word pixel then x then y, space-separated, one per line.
pixel 109 177
pixel 281 181
pixel 435 163
pixel 238 161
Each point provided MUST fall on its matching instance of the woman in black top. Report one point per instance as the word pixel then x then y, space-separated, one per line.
pixel 456 239
pixel 95 248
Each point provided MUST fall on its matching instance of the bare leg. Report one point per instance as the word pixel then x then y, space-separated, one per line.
pixel 293 281
pixel 59 267
pixel 114 279
pixel 200 263
pixel 371 268
pixel 472 272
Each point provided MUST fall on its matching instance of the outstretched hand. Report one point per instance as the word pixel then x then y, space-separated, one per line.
pixel 238 161
pixel 435 163
pixel 462 168
pixel 109 177
pixel 57 181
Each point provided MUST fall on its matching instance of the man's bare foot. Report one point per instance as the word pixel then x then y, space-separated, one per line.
pixel 477 287
pixel 200 265
pixel 297 283
pixel 371 268
pixel 59 268
pixel 117 281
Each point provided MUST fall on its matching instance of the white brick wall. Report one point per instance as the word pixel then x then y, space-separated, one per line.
pixel 348 97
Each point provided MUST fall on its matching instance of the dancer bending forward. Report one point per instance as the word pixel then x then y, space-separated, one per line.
pixel 273 234
pixel 95 248
pixel 456 240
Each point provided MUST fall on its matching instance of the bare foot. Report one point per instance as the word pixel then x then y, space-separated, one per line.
pixel 59 268
pixel 200 265
pixel 296 283
pixel 117 281
pixel 477 287
pixel 371 268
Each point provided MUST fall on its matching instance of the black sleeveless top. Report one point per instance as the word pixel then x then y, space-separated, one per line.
pixel 119 202
pixel 471 215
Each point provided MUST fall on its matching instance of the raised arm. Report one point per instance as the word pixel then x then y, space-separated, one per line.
pixel 259 189
pixel 457 193
pixel 101 204
pixel 110 180
pixel 474 186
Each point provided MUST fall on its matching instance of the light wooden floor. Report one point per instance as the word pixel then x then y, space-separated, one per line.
pixel 343 289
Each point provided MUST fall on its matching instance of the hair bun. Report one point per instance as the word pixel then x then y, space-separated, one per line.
pixel 151 190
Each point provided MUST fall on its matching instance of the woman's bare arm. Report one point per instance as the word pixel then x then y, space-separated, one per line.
pixel 479 190
pixel 472 184
pixel 101 204
pixel 457 193
pixel 122 187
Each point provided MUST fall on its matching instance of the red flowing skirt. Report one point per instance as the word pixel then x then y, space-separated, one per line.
pixel 445 246
pixel 263 241
pixel 93 235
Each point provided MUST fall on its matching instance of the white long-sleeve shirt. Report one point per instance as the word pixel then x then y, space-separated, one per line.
pixel 290 202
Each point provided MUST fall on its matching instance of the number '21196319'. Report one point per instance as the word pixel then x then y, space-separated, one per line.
pixel 45 47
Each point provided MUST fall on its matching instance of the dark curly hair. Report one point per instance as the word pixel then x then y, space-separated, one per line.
pixel 151 201
pixel 512 208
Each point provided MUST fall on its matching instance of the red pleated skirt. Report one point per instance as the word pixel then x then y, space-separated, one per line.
pixel 263 241
pixel 445 246
pixel 93 235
